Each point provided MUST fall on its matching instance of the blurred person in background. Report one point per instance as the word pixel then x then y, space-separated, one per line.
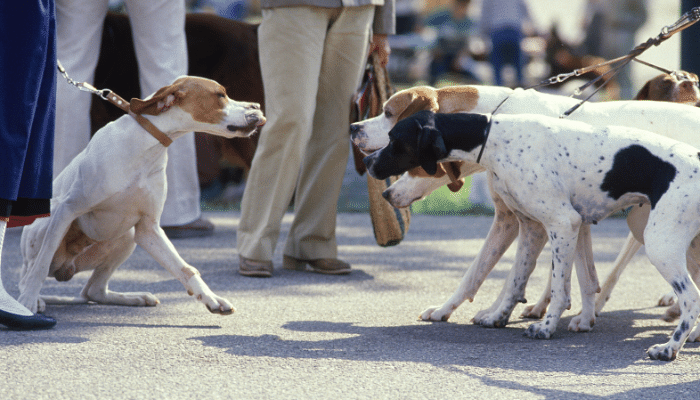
pixel 450 54
pixel 503 21
pixel 611 31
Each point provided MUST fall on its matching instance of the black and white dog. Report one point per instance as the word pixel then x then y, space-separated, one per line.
pixel 566 175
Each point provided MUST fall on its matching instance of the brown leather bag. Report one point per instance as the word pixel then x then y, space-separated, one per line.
pixel 390 223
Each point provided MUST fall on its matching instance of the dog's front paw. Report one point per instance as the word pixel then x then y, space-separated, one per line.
pixel 490 319
pixel 662 352
pixel 581 324
pixel 218 305
pixel 538 330
pixel 535 311
pixel 436 314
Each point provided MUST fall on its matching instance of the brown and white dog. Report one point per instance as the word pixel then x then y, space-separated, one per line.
pixel 671 120
pixel 676 87
pixel 110 198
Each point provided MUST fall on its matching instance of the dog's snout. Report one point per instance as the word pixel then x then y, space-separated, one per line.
pixel 354 129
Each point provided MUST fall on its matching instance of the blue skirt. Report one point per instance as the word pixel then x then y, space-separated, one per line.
pixel 27 108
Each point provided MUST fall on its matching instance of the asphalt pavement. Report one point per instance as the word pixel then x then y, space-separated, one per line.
pixel 307 336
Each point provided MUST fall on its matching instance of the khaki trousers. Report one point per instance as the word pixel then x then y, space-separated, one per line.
pixel 312 59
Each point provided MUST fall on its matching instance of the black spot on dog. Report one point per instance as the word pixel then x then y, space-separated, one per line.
pixel 636 170
pixel 678 286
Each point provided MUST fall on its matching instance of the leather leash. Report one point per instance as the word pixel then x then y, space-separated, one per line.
pixel 110 96
pixel 685 21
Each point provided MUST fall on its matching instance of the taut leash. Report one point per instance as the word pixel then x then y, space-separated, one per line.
pixel 110 96
pixel 686 20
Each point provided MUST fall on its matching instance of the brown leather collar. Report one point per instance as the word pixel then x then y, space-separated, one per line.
pixel 145 124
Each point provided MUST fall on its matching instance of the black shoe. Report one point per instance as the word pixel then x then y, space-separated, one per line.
pixel 26 322
pixel 199 228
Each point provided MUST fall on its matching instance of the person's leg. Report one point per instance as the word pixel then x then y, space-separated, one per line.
pixel 12 313
pixel 79 33
pixel 161 49
pixel 26 128
pixel 7 303
pixel 291 43
pixel 312 235
pixel 496 58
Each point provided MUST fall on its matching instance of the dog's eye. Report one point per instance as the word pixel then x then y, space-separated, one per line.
pixel 221 95
pixel 388 114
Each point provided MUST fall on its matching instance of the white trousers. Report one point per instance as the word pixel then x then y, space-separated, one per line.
pixel 158 28
pixel 312 59
pixel 7 302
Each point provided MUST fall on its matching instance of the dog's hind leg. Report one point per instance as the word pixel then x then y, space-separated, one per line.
pixel 693 261
pixel 531 241
pixel 537 310
pixel 563 235
pixel 585 268
pixel 503 232
pixel 588 281
pixel 629 249
pixel 666 246
pixel 105 257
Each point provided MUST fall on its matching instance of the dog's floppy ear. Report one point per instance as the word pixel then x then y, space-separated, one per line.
pixel 644 93
pixel 453 170
pixel 160 101
pixel 431 148
pixel 420 102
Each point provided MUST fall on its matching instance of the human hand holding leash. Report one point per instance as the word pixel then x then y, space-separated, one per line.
pixel 380 45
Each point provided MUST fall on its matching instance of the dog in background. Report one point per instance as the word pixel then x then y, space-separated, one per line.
pixel 110 198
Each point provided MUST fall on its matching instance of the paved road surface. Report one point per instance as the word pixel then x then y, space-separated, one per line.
pixel 307 336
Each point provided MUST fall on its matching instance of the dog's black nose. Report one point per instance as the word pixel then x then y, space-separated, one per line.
pixel 354 129
pixel 386 194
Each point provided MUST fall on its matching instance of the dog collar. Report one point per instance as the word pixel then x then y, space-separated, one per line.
pixel 152 129
pixel 487 130
pixel 145 124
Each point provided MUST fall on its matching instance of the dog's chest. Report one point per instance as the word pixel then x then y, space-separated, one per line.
pixel 118 213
